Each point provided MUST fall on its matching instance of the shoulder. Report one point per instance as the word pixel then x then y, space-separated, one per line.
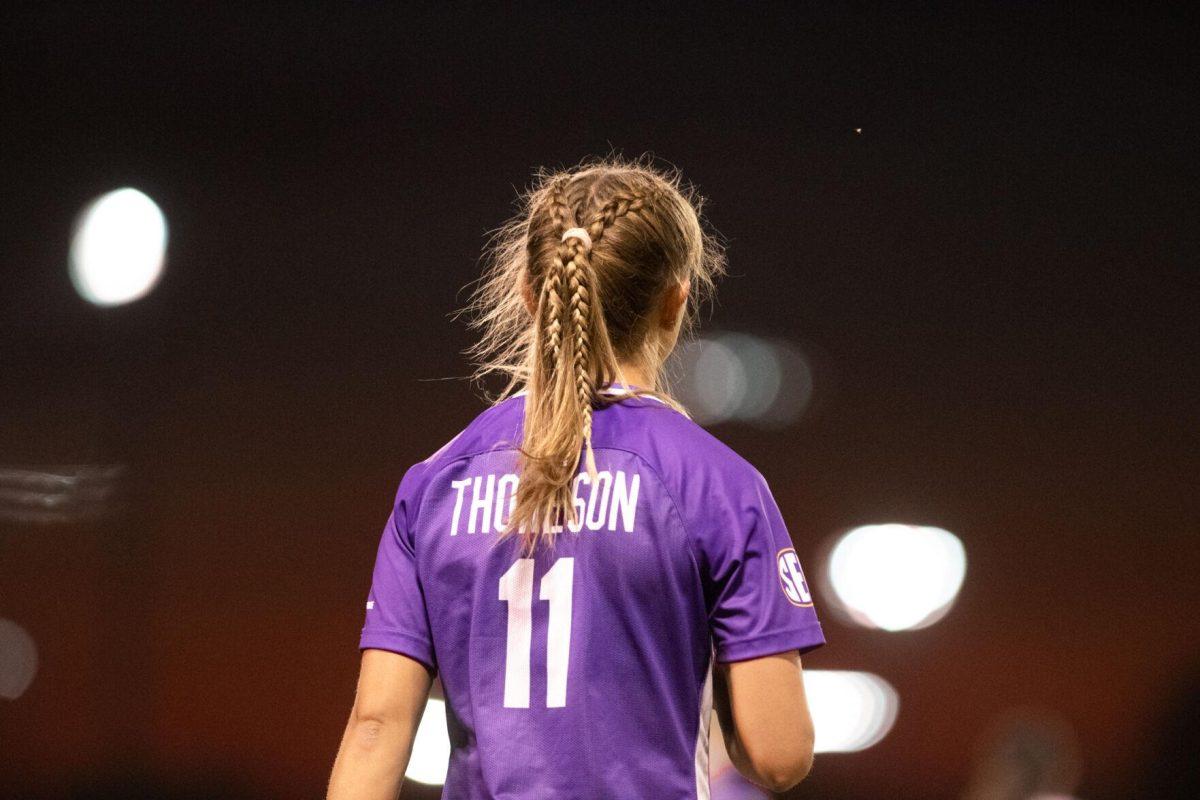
pixel 497 427
pixel 685 456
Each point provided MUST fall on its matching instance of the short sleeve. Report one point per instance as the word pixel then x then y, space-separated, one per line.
pixel 758 600
pixel 396 618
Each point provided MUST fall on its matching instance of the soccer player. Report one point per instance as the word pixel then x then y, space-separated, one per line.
pixel 586 568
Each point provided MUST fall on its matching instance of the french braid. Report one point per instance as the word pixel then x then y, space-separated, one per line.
pixel 552 286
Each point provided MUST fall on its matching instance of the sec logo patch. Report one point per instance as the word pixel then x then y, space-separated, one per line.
pixel 791 577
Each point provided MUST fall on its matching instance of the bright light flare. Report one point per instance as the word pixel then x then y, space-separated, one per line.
pixel 897 577
pixel 850 710
pixel 430 758
pixel 118 248
pixel 18 660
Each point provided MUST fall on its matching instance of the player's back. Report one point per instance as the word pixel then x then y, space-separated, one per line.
pixel 584 669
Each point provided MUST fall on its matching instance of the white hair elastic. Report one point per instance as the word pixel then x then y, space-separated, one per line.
pixel 578 233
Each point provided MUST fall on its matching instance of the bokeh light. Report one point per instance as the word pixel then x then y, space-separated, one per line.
pixel 717 381
pixel 850 710
pixel 1028 751
pixel 431 747
pixel 896 577
pixel 118 248
pixel 61 494
pixel 18 660
pixel 743 378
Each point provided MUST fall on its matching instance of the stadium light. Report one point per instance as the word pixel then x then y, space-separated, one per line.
pixel 431 747
pixel 118 248
pixel 850 710
pixel 896 577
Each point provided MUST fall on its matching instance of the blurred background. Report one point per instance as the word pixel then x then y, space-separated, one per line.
pixel 958 338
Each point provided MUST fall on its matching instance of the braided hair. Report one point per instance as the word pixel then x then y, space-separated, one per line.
pixel 560 314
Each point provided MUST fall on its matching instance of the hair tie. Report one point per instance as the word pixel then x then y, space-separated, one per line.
pixel 580 234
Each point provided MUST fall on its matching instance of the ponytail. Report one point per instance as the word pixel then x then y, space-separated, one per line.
pixel 561 261
pixel 562 386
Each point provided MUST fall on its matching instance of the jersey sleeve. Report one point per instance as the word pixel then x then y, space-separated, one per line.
pixel 758 600
pixel 396 618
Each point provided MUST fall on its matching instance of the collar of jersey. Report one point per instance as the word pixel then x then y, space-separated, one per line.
pixel 627 390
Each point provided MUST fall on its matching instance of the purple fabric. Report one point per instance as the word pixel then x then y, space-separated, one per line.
pixel 729 785
pixel 591 682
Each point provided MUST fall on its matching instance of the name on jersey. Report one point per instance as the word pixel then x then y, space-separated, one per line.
pixel 482 504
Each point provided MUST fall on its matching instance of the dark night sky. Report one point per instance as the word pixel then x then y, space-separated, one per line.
pixel 998 275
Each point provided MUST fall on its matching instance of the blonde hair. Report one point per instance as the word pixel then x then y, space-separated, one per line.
pixel 558 316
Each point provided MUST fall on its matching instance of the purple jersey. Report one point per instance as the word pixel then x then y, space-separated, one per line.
pixel 585 670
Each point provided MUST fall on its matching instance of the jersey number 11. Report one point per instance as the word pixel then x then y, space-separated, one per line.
pixel 516 588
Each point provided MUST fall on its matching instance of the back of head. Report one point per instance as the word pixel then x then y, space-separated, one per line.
pixel 571 293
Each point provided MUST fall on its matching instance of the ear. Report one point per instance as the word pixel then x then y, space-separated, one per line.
pixel 673 304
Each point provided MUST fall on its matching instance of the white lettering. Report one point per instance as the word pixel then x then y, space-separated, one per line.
pixel 798 579
pixel 577 502
pixel 789 588
pixel 460 487
pixel 482 504
pixel 598 502
pixel 611 503
pixel 792 578
pixel 624 501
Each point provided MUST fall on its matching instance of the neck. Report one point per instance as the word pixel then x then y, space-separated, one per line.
pixel 636 375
